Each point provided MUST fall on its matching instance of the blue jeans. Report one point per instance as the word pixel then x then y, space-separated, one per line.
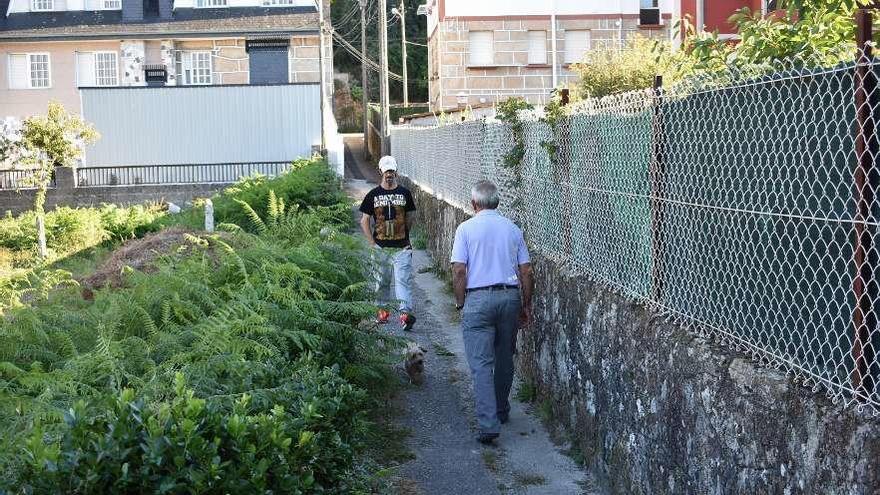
pixel 392 277
pixel 489 323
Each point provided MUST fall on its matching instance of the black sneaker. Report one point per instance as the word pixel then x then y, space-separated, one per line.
pixel 407 321
pixel 487 438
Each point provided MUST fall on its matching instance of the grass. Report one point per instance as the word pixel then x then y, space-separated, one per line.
pixel 524 479
pixel 490 459
pixel 527 392
pixel 84 262
pixel 441 350
pixel 545 410
pixel 419 237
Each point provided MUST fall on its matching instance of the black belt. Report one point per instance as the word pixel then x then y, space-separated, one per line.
pixel 494 287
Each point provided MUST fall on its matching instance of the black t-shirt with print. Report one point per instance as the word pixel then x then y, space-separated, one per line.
pixel 389 208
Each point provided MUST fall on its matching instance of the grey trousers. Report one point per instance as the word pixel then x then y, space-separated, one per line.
pixel 489 323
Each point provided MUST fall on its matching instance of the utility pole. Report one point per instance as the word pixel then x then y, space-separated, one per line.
pixel 383 74
pixel 364 75
pixel 322 76
pixel 402 14
pixel 553 53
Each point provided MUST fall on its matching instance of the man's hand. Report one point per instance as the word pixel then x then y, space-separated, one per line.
pixel 459 282
pixel 525 316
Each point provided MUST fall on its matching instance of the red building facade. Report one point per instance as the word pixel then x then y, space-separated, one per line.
pixel 713 14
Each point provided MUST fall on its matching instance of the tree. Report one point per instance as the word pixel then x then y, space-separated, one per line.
pixel 346 19
pixel 814 32
pixel 605 72
pixel 48 141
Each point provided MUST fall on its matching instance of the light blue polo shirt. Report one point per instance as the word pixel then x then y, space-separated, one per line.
pixel 492 247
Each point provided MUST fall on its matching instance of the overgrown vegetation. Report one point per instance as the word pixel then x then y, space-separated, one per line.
pixel 237 366
pixel 808 33
pixel 43 143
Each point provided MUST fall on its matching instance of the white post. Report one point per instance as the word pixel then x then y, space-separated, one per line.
pixel 209 216
pixel 383 74
pixel 365 80
pixel 403 42
pixel 41 236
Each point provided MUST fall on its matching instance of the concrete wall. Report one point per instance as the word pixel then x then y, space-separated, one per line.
pixel 66 194
pixel 657 409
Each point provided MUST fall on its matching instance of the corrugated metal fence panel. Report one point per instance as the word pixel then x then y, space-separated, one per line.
pixel 212 124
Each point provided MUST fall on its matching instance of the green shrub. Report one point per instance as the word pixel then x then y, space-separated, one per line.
pixel 125 444
pixel 272 316
pixel 606 72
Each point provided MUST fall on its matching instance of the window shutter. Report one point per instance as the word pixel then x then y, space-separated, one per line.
pixel 85 69
pixel 481 48
pixel 19 72
pixel 577 43
pixel 537 47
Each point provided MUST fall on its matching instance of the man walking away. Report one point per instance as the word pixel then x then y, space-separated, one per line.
pixel 389 207
pixel 492 278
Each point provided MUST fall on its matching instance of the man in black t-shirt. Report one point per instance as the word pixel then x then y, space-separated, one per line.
pixel 386 221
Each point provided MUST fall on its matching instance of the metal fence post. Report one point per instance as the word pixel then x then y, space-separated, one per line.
pixel 656 176
pixel 564 179
pixel 866 182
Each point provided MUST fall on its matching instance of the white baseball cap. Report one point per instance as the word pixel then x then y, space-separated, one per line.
pixel 387 163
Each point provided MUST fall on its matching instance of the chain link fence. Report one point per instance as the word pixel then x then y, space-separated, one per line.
pixel 746 210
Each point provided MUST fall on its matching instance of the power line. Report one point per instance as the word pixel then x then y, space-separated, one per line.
pixel 360 56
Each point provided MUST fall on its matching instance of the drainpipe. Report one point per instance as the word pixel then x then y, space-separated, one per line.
pixel 701 15
pixel 554 55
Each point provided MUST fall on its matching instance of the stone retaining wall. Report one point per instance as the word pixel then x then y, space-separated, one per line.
pixel 655 409
pixel 66 193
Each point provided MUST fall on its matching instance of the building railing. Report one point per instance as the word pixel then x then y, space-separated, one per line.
pixel 211 173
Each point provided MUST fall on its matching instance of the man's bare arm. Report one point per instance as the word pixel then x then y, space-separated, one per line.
pixel 459 282
pixel 410 220
pixel 527 286
pixel 365 227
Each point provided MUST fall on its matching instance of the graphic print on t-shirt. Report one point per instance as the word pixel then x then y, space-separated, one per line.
pixel 390 213
pixel 389 208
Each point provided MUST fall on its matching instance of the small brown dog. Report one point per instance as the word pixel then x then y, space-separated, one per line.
pixel 414 363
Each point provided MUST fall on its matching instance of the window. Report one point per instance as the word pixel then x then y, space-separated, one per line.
pixel 106 73
pixel 482 49
pixel 210 3
pixel 649 12
pixel 29 71
pixel 97 69
pixel 537 47
pixel 194 67
pixel 112 4
pixel 577 43
pixel 155 75
pixel 42 5
pixel 39 69
pixel 278 3
pixel 770 6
